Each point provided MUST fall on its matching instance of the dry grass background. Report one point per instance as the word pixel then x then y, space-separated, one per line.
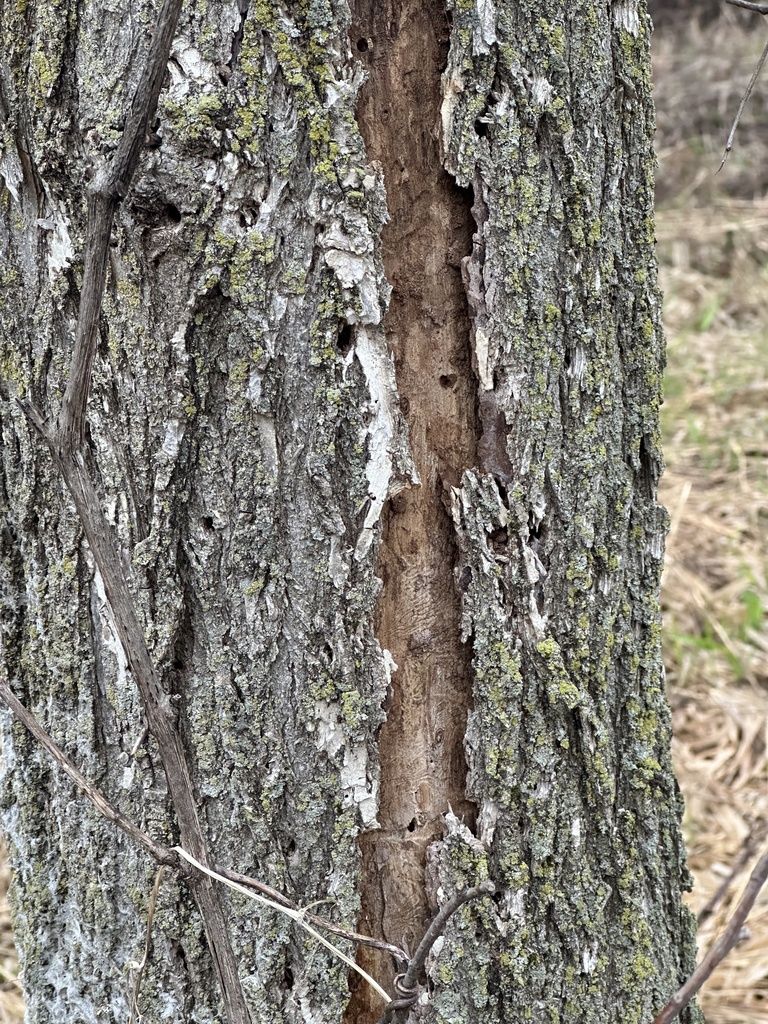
pixel 713 249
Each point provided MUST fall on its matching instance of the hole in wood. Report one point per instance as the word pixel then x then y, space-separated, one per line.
pixel 344 340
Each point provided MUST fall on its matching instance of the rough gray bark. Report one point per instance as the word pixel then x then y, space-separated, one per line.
pixel 249 443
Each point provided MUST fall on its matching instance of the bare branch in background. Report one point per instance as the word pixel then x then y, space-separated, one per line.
pixel 724 944
pixel 748 6
pixel 759 9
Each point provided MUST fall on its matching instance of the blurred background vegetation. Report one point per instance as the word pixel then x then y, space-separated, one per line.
pixel 712 233
pixel 713 250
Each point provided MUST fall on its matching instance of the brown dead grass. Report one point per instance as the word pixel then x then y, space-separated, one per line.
pixel 713 248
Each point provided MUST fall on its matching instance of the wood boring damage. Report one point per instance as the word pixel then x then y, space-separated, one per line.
pixel 330 364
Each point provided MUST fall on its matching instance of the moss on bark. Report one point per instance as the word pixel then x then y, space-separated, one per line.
pixel 246 433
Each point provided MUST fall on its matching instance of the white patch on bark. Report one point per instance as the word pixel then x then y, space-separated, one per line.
pixel 356 786
pixel 514 902
pixel 300 994
pixel 174 432
pixel 350 257
pixel 589 960
pixel 327 725
pixel 60 250
pixel 538 621
pixel 541 91
pixel 534 569
pixel 253 391
pixel 654 545
pixel 353 777
pixel 188 64
pixel 266 427
pixel 481 354
pixel 606 585
pixel 484 33
pixel 578 364
pixel 191 60
pixel 625 16
pixel 390 665
pixel 486 820
pixel 11 173
pixel 379 371
pixel 109 637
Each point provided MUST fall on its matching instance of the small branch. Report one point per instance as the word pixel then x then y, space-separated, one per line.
pixel 757 8
pixel 296 915
pixel 162 854
pixel 745 97
pixel 724 944
pixel 65 438
pixel 139 967
pixel 161 722
pixel 105 192
pixel 750 845
pixel 318 922
pixel 406 985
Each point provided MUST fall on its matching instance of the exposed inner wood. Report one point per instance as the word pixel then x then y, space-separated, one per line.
pixel 403 44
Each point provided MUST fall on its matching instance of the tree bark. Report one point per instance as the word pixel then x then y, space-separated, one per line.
pixel 374 423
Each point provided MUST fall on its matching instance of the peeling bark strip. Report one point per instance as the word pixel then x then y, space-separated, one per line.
pixel 403 46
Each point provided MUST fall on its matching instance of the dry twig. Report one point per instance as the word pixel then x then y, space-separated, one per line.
pixel 139 967
pixel 759 9
pixel 747 5
pixel 168 857
pixel 406 985
pixel 724 944
pixel 162 854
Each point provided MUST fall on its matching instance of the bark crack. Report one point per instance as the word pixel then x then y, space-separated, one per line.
pixel 429 234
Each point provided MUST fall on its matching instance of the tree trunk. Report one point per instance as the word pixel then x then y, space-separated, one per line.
pixel 381 468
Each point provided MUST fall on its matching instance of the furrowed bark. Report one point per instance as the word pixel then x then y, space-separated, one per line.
pixel 252 453
pixel 162 854
pixel 65 441
pixel 547 115
pixel 246 432
pixel 160 718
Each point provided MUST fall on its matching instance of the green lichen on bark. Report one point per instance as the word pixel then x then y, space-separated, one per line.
pixel 548 116
pixel 246 435
pixel 241 375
